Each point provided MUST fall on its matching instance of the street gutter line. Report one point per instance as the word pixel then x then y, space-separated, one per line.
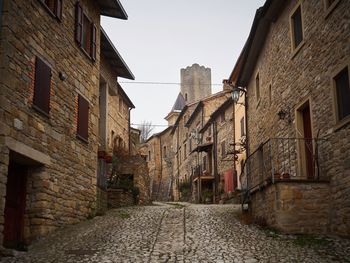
pixel 157 234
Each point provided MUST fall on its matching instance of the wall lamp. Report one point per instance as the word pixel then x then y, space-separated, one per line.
pixel 237 92
pixel 284 115
pixel 62 76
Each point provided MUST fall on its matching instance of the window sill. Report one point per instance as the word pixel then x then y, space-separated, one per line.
pixel 297 49
pixel 340 124
pixel 330 9
pixel 86 141
pixel 42 112
pixel 86 54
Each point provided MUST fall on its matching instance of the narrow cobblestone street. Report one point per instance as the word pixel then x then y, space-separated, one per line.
pixel 177 233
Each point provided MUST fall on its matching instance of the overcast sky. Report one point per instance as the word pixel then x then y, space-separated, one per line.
pixel 162 36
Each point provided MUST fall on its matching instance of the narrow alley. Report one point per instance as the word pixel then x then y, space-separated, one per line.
pixel 178 232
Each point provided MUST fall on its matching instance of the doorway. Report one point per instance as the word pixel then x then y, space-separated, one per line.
pixel 304 129
pixel 15 206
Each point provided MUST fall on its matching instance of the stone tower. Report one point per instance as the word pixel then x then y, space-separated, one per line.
pixel 195 83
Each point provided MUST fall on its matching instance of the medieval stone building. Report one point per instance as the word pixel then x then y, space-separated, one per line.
pixel 295 69
pixel 51 56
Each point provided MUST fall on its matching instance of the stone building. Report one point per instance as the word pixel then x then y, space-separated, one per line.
pixel 50 57
pixel 295 69
pixel 114 115
pixel 160 159
pixel 195 83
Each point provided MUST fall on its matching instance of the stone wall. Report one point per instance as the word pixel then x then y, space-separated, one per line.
pixel 294 78
pixel 195 83
pixel 294 207
pixel 120 198
pixel 63 189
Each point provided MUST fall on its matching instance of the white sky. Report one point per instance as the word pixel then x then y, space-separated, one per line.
pixel 162 36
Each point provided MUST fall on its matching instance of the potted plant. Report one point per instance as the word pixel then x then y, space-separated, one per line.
pixel 207 196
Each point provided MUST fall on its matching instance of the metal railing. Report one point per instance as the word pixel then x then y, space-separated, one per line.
pixel 285 159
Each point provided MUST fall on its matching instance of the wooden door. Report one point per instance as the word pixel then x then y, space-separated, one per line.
pixel 308 142
pixel 15 205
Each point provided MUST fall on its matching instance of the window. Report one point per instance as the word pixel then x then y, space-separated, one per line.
pixel 185 96
pixel 222 117
pixel 185 153
pixel 342 91
pixel 149 155
pixel 204 163
pixel 54 7
pixel 257 87
pixel 270 94
pixel 242 127
pixel 223 150
pixel 42 83
pixel 164 151
pixel 83 119
pixel 85 32
pixel 297 27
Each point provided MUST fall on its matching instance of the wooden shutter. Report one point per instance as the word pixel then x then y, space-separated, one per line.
pixel 93 41
pixel 41 99
pixel 83 118
pixel 58 9
pixel 78 23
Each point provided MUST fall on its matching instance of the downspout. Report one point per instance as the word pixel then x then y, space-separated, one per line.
pixel 177 163
pixel 246 128
pixel 215 155
pixel 161 165
pixel 234 146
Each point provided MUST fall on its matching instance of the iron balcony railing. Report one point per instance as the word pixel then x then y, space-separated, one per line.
pixel 285 159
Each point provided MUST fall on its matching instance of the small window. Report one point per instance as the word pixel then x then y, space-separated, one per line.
pixel 242 127
pixel 42 84
pixel 297 27
pixel 149 155
pixel 85 32
pixel 164 152
pixel 204 163
pixel 222 117
pixel 223 150
pixel 83 119
pixel 341 84
pixel 270 94
pixel 257 87
pixel 185 151
pixel 120 105
pixel 54 7
pixel 185 96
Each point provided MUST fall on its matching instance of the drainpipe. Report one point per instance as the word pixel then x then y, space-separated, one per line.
pixel 161 165
pixel 246 128
pixel 215 148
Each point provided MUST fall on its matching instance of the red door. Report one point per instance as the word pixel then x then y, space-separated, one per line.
pixel 15 205
pixel 308 142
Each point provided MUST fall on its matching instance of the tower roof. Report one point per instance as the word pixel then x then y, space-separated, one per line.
pixel 179 103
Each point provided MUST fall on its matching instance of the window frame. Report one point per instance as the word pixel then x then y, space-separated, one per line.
pixel 295 49
pixel 339 123
pixel 58 9
pixel 328 8
pixel 80 16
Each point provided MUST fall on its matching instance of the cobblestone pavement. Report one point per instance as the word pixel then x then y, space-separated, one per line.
pixel 178 233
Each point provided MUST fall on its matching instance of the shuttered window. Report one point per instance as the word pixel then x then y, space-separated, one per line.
pixel 54 7
pixel 343 93
pixel 83 119
pixel 85 32
pixel 297 27
pixel 42 83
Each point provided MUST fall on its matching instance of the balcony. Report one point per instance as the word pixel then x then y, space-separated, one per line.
pixel 285 159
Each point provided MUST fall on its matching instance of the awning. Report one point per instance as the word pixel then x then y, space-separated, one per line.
pixel 205 147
